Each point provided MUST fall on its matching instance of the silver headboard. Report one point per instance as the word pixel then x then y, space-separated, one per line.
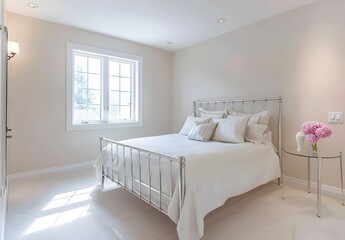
pixel 271 104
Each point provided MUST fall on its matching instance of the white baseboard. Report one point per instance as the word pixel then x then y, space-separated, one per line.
pixel 64 168
pixel 326 190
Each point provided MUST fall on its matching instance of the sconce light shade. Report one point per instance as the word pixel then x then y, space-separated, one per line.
pixel 12 49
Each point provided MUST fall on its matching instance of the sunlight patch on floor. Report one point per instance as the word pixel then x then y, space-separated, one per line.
pixel 81 196
pixel 68 198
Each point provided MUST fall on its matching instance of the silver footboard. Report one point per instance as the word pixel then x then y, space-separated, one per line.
pixel 143 173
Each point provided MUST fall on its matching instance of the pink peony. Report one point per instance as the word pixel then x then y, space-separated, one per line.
pixel 314 131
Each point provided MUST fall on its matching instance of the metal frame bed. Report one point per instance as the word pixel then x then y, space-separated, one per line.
pixel 153 195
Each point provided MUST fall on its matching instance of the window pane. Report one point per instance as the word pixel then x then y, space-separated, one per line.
pixel 113 98
pixel 125 98
pixel 80 80
pixel 114 83
pixel 125 112
pixel 83 115
pixel 114 68
pixel 95 65
pixel 94 97
pixel 125 84
pixel 125 70
pixel 80 63
pixel 94 81
pixel 96 110
pixel 81 107
pixel 114 113
pixel 80 98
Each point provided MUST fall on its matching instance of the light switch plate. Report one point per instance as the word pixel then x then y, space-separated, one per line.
pixel 335 117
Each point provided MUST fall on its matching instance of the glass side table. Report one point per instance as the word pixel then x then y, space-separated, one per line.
pixel 320 155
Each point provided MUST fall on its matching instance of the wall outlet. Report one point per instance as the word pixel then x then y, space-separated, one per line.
pixel 335 117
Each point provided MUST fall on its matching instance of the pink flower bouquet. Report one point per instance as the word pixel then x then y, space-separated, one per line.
pixel 314 131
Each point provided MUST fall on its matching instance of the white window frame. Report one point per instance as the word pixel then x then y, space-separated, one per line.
pixel 136 122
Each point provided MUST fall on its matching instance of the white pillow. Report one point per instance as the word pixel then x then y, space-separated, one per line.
pixel 255 133
pixel 257 118
pixel 231 129
pixel 202 131
pixel 189 123
pixel 264 117
pixel 267 139
pixel 213 114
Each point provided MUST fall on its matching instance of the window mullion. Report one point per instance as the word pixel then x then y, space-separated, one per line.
pixel 105 89
pixel 87 86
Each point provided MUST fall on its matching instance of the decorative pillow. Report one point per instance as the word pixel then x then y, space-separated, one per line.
pixel 189 123
pixel 267 139
pixel 213 114
pixel 202 131
pixel 231 129
pixel 264 118
pixel 257 118
pixel 255 133
pixel 254 118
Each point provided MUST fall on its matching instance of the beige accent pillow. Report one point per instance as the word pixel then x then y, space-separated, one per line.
pixel 257 118
pixel 202 131
pixel 189 123
pixel 255 133
pixel 213 114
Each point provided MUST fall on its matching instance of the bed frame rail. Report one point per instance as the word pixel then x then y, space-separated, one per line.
pixel 114 149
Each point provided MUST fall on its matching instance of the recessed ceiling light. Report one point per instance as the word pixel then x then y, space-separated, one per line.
pixel 170 42
pixel 32 5
pixel 221 20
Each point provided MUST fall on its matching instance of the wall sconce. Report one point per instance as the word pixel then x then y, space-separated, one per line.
pixel 12 49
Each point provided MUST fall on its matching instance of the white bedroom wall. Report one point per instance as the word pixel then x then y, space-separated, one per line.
pixel 299 55
pixel 37 95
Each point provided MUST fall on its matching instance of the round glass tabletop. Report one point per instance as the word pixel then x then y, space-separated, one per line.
pixel 308 152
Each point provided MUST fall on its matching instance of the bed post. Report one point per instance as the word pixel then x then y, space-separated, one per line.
pixel 194 108
pixel 182 182
pixel 280 103
pixel 101 183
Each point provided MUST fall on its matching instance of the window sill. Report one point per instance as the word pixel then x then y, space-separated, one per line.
pixel 94 126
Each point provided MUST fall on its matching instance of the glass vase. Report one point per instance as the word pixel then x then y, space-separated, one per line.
pixel 314 146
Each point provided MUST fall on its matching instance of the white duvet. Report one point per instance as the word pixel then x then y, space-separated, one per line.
pixel 214 172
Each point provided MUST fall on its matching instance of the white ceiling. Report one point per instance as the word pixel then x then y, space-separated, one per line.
pixel 156 22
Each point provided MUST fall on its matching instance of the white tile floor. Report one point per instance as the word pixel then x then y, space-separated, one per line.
pixel 68 206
